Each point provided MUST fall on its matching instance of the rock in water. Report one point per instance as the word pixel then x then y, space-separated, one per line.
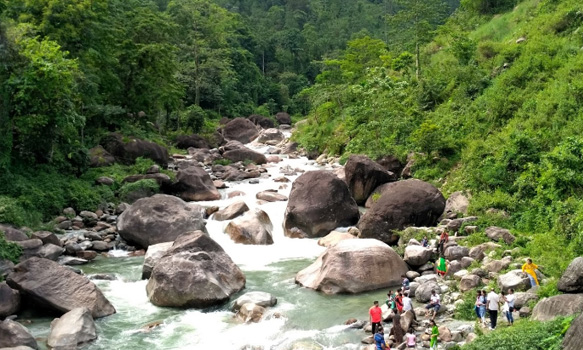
pixel 558 305
pixel 363 175
pixel 572 279
pixel 157 219
pixel 318 203
pixel 9 300
pixel 13 334
pixel 250 312
pixel 232 211
pixel 195 184
pixel 354 266
pixel 196 272
pixel 58 287
pixel 401 204
pixel 74 328
pixel 253 228
pixel 240 129
pixel 258 298
pixel 154 253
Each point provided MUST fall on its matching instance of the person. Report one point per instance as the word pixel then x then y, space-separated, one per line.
pixel 424 242
pixel 399 302
pixel 411 340
pixel 434 305
pixel 510 299
pixel 434 335
pixel 390 302
pixel 407 303
pixel 397 331
pixel 406 285
pixel 379 339
pixel 441 266
pixel 530 270
pixel 443 239
pixel 376 315
pixel 483 306
pixel 478 305
pixel 493 306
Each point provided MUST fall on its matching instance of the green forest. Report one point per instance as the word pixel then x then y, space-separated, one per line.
pixel 485 96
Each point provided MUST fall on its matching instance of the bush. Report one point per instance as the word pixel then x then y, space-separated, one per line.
pixel 525 334
pixel 465 310
pixel 9 250
pixel 11 212
pixel 131 192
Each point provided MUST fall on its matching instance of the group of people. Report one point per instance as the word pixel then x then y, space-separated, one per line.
pixel 492 302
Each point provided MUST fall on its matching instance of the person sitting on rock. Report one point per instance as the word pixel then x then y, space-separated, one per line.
pixel 411 340
pixel 390 302
pixel 379 339
pixel 424 242
pixel 406 285
pixel 434 305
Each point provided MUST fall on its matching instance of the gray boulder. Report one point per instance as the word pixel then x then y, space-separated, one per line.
pixel 252 228
pixel 271 134
pixel 157 219
pixel 55 286
pixel 456 252
pixel 71 330
pixel 363 175
pixel 230 212
pixel 9 300
pixel 196 272
pixel 47 237
pixel 524 298
pixel 558 305
pixel 457 203
pixel 240 129
pixel 154 253
pixel 423 292
pixel 499 234
pixel 514 279
pixel 194 184
pixel 574 337
pixel 50 251
pixel 416 255
pixel 318 203
pixel 401 204
pixel 346 268
pixel 271 196
pixel 13 334
pixel 99 157
pixel 258 298
pixel 469 282
pixel 572 279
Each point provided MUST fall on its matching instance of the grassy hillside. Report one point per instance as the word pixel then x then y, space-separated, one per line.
pixel 497 110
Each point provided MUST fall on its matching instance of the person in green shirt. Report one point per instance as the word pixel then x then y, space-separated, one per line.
pixel 390 302
pixel 434 335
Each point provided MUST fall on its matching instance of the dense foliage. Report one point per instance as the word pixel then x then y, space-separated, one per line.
pixel 9 250
pixel 496 110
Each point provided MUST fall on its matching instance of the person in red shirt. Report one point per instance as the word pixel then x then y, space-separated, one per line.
pixel 443 239
pixel 376 316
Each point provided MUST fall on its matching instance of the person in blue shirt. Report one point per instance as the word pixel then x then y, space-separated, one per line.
pixel 406 284
pixel 379 340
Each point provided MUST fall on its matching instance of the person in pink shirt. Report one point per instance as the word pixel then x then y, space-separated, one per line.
pixel 411 340
pixel 376 316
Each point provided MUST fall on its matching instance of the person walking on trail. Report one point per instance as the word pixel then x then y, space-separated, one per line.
pixel 493 306
pixel 443 239
pixel 441 266
pixel 530 269
pixel 434 305
pixel 376 315
pixel 434 335
pixel 379 339
pixel 411 340
pixel 510 299
pixel 397 331
pixel 407 303
pixel 399 302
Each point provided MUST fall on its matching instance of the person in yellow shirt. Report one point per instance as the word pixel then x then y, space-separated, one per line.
pixel 530 269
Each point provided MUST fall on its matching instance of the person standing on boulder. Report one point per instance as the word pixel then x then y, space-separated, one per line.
pixel 530 269
pixel 493 306
pixel 376 316
pixel 434 335
pixel 379 339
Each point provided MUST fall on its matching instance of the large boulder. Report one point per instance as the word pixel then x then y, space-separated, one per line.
pixel 9 300
pixel 558 305
pixel 195 272
pixel 334 237
pixel 416 255
pixel 230 212
pixel 514 279
pixel 243 153
pixel 258 298
pixel 457 203
pixel 469 282
pixel 456 252
pixel 261 121
pixel 99 157
pixel 272 135
pixel 423 292
pixel 154 253
pixel 318 203
pixel 283 118
pixel 13 334
pixel 157 219
pixel 572 279
pixel 195 184
pixel 479 252
pixel 13 234
pixel 354 266
pixel 128 152
pixel 574 337
pixel 71 330
pixel 194 141
pixel 401 204
pixel 253 228
pixel 55 286
pixel 363 175
pixel 240 129
pixel 391 163
pixel 499 234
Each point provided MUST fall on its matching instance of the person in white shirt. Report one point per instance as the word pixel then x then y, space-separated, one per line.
pixel 407 303
pixel 434 305
pixel 493 307
pixel 510 298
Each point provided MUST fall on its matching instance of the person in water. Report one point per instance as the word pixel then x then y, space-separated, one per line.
pixel 441 266
pixel 434 335
pixel 530 270
pixel 376 315
pixel 379 340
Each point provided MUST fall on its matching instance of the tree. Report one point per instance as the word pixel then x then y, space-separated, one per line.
pixel 413 24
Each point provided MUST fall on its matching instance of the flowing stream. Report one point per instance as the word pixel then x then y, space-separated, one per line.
pixel 309 319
